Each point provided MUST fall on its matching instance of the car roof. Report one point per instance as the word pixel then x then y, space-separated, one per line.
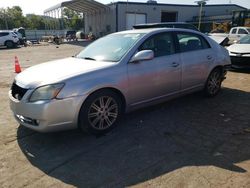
pixel 5 31
pixel 157 23
pixel 156 30
pixel 183 25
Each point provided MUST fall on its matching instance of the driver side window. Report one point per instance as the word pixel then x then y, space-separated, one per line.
pixel 161 44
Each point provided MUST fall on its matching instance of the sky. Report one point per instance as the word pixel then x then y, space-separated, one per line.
pixel 38 6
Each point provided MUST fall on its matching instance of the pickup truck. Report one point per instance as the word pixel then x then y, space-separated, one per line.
pixel 235 34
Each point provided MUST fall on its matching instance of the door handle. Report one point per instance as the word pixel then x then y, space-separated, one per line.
pixel 174 64
pixel 209 57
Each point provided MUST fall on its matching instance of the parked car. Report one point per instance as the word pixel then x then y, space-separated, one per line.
pixel 240 53
pixel 20 32
pixel 234 35
pixel 117 73
pixel 223 41
pixel 182 25
pixel 70 35
pixel 8 39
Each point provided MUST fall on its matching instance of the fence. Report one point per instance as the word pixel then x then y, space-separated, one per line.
pixel 38 34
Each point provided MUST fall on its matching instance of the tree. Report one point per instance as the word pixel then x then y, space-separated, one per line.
pixel 35 22
pixel 72 19
pixel 13 18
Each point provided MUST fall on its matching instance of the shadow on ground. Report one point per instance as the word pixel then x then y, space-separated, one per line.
pixel 189 131
pixel 242 70
pixel 5 48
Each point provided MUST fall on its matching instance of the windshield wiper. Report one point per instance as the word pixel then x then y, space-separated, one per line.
pixel 89 58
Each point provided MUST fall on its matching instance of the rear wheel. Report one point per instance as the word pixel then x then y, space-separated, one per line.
pixel 213 84
pixel 9 44
pixel 100 112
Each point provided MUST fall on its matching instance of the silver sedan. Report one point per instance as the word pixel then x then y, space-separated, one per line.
pixel 115 74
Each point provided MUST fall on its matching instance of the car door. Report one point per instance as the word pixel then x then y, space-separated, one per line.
pixel 156 78
pixel 233 34
pixel 196 56
pixel 1 39
pixel 241 33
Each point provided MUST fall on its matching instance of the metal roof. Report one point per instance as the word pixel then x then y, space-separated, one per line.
pixel 84 6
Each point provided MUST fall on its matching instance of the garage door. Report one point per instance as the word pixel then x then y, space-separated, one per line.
pixel 133 19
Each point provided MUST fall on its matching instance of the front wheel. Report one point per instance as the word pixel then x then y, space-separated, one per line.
pixel 100 112
pixel 9 44
pixel 213 84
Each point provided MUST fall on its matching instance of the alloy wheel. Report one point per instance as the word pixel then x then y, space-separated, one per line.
pixel 103 112
pixel 214 82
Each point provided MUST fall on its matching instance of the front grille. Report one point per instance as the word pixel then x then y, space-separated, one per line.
pixel 237 53
pixel 17 92
pixel 240 61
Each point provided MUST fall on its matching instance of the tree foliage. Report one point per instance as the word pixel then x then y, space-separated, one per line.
pixel 13 18
pixel 72 19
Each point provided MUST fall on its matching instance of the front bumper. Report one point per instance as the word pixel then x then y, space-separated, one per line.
pixel 47 116
pixel 240 61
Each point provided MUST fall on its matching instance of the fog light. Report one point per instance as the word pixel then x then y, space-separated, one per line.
pixel 27 120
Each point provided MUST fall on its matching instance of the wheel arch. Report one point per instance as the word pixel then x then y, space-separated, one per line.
pixel 115 90
pixel 220 68
pixel 8 41
pixel 217 67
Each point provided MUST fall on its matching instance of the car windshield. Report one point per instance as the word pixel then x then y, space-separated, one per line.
pixel 110 48
pixel 245 40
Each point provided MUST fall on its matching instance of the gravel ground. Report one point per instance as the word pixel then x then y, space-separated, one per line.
pixel 187 142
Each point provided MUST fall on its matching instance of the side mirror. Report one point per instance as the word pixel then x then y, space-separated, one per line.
pixel 142 56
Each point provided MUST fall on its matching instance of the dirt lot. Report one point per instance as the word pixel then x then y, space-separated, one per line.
pixel 188 142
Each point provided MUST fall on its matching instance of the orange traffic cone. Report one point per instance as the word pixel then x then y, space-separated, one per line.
pixel 17 65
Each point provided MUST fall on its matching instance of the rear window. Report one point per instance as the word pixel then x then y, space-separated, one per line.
pixel 191 42
pixel 242 31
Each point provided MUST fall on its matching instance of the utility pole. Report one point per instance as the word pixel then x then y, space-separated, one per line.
pixel 201 3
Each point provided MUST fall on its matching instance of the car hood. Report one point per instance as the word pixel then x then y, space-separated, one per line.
pixel 219 39
pixel 239 48
pixel 57 71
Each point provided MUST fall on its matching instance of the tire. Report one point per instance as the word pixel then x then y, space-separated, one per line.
pixel 9 44
pixel 100 112
pixel 213 83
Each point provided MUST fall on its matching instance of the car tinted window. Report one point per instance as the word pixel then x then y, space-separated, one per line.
pixel 242 31
pixel 161 44
pixel 191 42
pixel 4 34
pixel 234 31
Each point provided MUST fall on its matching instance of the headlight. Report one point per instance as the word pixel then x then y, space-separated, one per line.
pixel 46 92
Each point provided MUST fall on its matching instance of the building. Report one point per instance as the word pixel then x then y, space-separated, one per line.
pixel 102 19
